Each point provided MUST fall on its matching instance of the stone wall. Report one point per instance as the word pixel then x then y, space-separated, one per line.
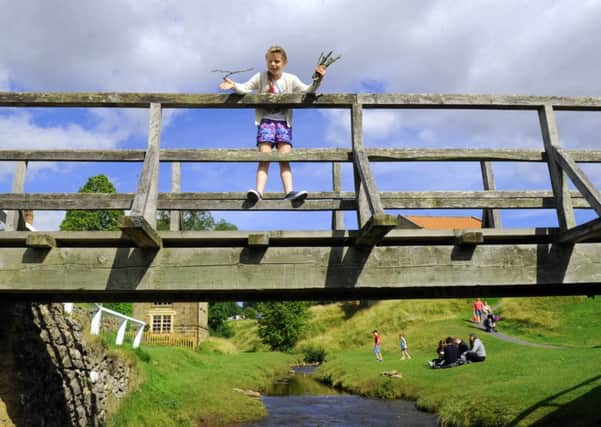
pixel 50 375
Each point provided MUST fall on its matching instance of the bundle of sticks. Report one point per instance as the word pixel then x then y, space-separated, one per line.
pixel 326 61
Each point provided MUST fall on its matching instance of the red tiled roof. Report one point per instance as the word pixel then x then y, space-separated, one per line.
pixel 445 222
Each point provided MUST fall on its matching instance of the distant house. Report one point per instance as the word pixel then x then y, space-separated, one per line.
pixel 438 222
pixel 180 321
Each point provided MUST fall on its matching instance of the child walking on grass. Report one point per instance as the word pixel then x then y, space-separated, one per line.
pixel 377 345
pixel 275 124
pixel 404 353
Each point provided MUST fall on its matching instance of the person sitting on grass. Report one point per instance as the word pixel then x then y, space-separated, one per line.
pixel 451 355
pixel 477 351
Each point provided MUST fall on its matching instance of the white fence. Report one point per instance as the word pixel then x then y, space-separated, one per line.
pixel 97 318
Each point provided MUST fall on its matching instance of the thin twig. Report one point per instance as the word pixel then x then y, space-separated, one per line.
pixel 229 72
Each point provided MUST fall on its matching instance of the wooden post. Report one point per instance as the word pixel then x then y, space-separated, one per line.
pixel 490 217
pixel 14 219
pixel 373 222
pixel 337 216
pixel 176 174
pixel 140 225
pixel 559 181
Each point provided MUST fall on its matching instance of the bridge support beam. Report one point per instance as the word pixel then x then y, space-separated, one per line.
pixel 242 273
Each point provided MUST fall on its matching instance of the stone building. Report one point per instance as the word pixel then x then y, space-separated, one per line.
pixel 177 319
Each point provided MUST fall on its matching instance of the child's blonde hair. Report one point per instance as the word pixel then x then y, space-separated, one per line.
pixel 277 49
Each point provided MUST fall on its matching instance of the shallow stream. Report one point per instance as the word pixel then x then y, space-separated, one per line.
pixel 300 400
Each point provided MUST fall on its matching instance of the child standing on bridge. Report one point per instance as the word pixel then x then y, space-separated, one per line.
pixel 275 124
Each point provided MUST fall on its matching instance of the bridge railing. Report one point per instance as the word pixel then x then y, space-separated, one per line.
pixel 97 320
pixel 369 203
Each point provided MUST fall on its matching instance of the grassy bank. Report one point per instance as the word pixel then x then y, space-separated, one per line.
pixel 186 388
pixel 516 385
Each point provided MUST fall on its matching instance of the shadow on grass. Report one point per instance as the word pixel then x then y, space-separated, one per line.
pixel 582 411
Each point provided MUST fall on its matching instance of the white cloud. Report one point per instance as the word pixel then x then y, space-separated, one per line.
pixel 48 220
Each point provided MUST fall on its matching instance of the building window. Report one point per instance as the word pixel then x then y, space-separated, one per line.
pixel 161 324
pixel 161 303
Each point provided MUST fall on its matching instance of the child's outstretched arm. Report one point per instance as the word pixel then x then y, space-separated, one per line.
pixel 241 88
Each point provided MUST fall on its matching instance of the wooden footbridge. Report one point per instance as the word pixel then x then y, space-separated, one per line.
pixel 377 260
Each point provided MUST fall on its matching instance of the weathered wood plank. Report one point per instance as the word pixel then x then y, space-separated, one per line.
pixel 40 240
pixel 580 180
pixel 14 219
pixel 145 200
pixel 286 238
pixel 559 182
pixel 469 237
pixel 258 240
pixel 273 201
pixel 491 218
pixel 175 215
pixel 337 216
pixel 583 232
pixel 286 272
pixel 481 102
pixel 141 233
pixel 363 169
pixel 342 100
pixel 375 229
pixel 298 155
pixel 172 100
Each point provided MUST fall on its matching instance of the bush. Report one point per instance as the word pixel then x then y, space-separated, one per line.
pixel 314 354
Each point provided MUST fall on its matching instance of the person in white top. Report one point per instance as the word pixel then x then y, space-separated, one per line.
pixel 477 353
pixel 274 125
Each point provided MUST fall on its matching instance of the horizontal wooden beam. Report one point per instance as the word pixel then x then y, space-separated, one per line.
pixel 481 102
pixel 172 100
pixel 583 232
pixel 340 100
pixel 286 272
pixel 299 155
pixel 328 238
pixel 318 201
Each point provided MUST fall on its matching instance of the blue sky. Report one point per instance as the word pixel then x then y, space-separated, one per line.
pixel 509 47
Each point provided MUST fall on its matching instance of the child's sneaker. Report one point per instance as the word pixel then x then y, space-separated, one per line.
pixel 296 196
pixel 253 196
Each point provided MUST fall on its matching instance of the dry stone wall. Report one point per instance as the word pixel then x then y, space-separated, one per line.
pixel 50 375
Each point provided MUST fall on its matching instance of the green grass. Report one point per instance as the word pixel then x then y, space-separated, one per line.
pixel 187 388
pixel 515 384
pixel 571 321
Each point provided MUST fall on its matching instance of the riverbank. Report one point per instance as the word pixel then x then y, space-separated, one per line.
pixel 516 385
pixel 187 388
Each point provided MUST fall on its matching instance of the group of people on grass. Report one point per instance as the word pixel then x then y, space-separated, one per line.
pixel 484 315
pixel 453 351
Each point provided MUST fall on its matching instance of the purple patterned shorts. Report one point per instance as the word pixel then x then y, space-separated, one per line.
pixel 274 132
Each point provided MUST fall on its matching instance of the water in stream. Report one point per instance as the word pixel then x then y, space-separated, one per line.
pixel 299 400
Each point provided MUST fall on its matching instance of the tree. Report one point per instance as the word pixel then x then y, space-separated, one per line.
pixel 100 220
pixel 219 312
pixel 281 323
